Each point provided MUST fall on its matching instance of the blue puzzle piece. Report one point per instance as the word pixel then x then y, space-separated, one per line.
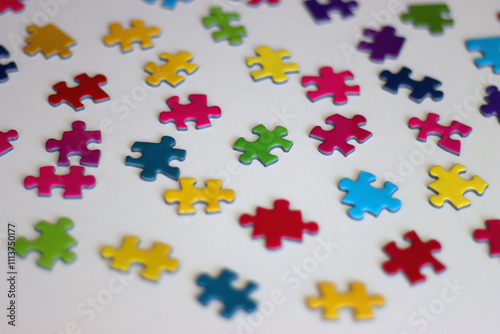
pixel 490 47
pixel 6 68
pixel 493 100
pixel 363 197
pixel 320 11
pixel 220 288
pixel 170 4
pixel 420 89
pixel 156 158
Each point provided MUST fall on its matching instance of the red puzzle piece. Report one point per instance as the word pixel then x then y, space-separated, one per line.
pixel 490 234
pixel 14 5
pixel 73 182
pixel 330 84
pixel 196 111
pixel 411 259
pixel 5 138
pixel 75 143
pixel 278 223
pixel 344 129
pixel 88 88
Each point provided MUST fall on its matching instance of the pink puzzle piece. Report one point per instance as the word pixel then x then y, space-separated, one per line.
pixel 14 5
pixel 73 182
pixel 5 138
pixel 196 111
pixel 330 84
pixel 258 2
pixel 75 143
pixel 491 234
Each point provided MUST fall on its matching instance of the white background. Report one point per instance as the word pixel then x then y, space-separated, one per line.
pixel 56 300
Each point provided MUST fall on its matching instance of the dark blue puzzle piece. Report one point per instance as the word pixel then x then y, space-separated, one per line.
pixel 156 158
pixel 493 100
pixel 320 11
pixel 5 69
pixel 385 44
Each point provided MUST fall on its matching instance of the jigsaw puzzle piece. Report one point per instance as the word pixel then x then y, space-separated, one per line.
pixel 137 33
pixel 196 111
pixel 169 4
pixel 223 21
pixel 5 69
pixel 5 139
pixel 272 65
pixel 330 84
pixel 430 16
pixel 259 2
pixel 50 40
pixel 320 11
pixel 492 108
pixel 13 5
pixel 168 72
pixel 491 235
pixel 490 48
pixel 385 44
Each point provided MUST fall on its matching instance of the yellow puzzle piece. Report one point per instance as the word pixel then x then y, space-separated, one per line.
pixel 272 65
pixel 357 299
pixel 450 187
pixel 168 71
pixel 138 33
pixel 49 39
pixel 189 195
pixel 155 260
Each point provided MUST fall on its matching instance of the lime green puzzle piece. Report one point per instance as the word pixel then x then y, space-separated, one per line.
pixel 227 31
pixel 429 16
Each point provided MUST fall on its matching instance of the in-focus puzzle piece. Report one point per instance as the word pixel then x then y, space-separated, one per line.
pixel 73 182
pixel 272 65
pixel 223 21
pixel 258 2
pixel 50 40
pixel 491 234
pixel 409 260
pixel 168 72
pixel 5 139
pixel 420 89
pixel 5 69
pixel 220 288
pixel 138 33
pixel 155 260
pixel 365 198
pixel 260 148
pixel 278 223
pixel 490 48
pixel 492 108
pixel 88 87
pixel 14 5
pixel 343 130
pixel 356 298
pixel 320 11
pixel 385 44
pixel 189 195
pixel 196 111
pixel 433 16
pixel 450 187
pixel 75 143
pixel 53 244
pixel 156 158
pixel 330 84
pixel 169 4
pixel 431 127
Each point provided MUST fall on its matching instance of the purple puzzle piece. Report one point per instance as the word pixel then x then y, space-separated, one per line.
pixel 5 138
pixel 320 11
pixel 493 100
pixel 385 44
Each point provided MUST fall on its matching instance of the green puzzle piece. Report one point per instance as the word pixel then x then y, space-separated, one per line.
pixel 260 148
pixel 222 20
pixel 428 16
pixel 52 244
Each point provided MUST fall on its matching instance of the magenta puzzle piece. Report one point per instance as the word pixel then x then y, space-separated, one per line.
pixel 491 234
pixel 5 138
pixel 14 5
pixel 196 111
pixel 330 84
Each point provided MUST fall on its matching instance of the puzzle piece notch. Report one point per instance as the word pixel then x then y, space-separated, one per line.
pixel 320 11
pixel 272 65
pixel 278 223
pixel 431 127
pixel 365 198
pixel 5 69
pixel 53 244
pixel 430 16
pixel 155 260
pixel 73 182
pixel 343 130
pixel 50 40
pixel 220 288
pixel 5 139
pixel 356 298
pixel 256 3
pixel 196 111
pixel 260 148
pixel 168 72
pixel 490 48
pixel 156 158
pixel 137 33
pixel 385 44
pixel 169 4
pixel 420 89
pixel 14 5
pixel 450 187
pixel 330 84
pixel 491 235
pixel 411 259
pixel 75 143
pixel 223 21
pixel 492 108
pixel 88 87
pixel 189 195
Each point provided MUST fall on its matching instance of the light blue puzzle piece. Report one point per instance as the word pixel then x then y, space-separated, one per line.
pixel 170 4
pixel 490 47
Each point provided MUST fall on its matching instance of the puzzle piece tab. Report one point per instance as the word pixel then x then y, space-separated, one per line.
pixel 272 65
pixel 138 33
pixel 196 111
pixel 169 4
pixel 156 158
pixel 260 148
pixel 344 130
pixel 493 103
pixel 5 69
pixel 5 139
pixel 385 44
pixel 14 5
pixel 450 187
pixel 155 260
pixel 320 11
pixel 356 298
pixel 220 288
pixel 168 72
pixel 491 234
pixel 88 87
pixel 409 260
pixel 50 40
pixel 433 16
pixel 365 198
pixel 189 195
pixel 330 84
pixel 53 244
pixel 490 48
pixel 223 21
